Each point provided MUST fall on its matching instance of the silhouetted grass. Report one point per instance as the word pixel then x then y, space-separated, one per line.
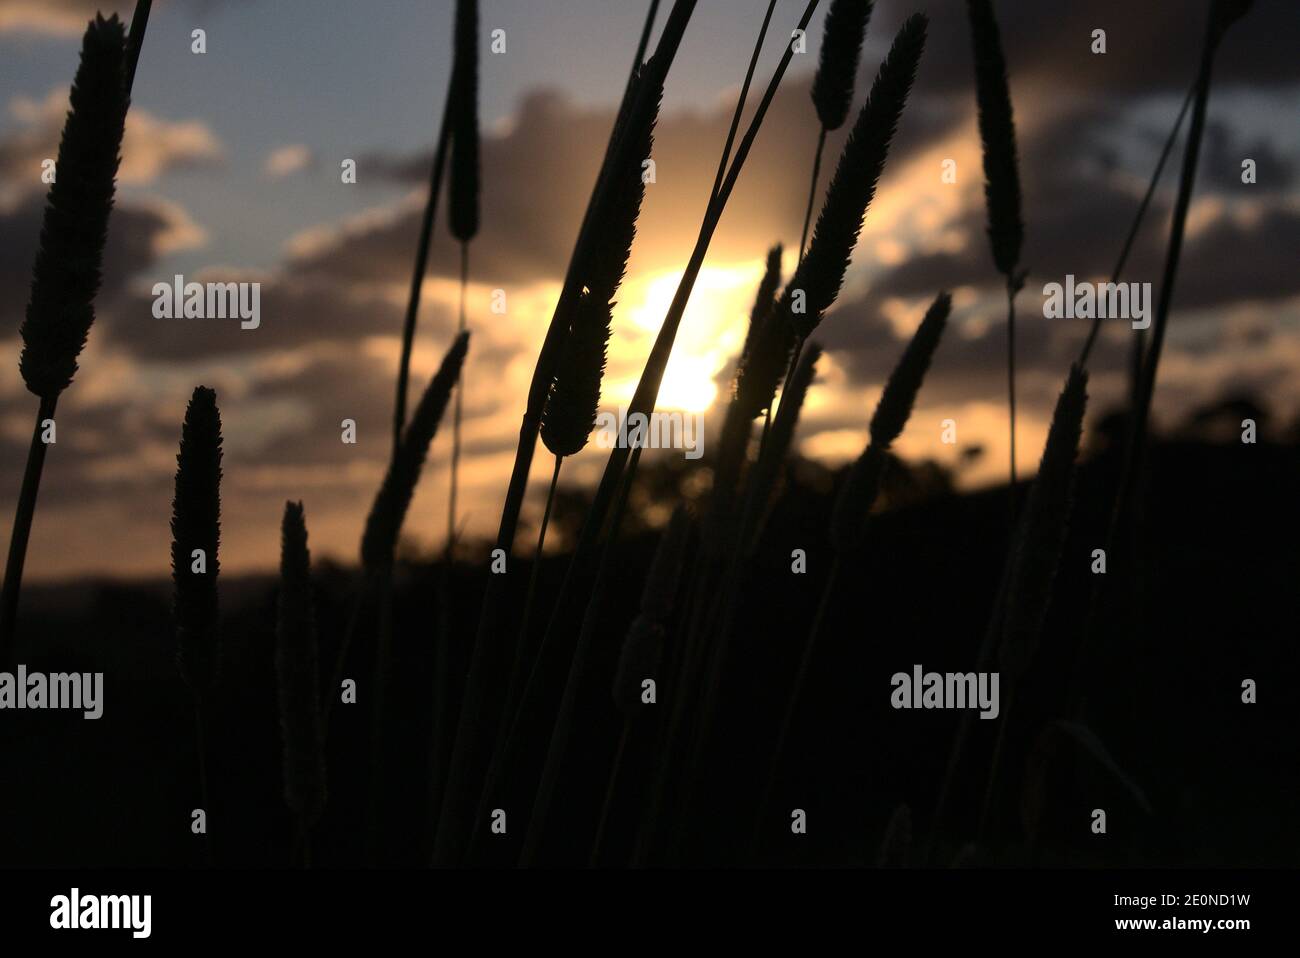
pixel 1001 179
pixel 642 655
pixel 379 544
pixel 66 274
pixel 758 496
pixel 196 535
pixel 692 600
pixel 297 680
pixel 737 424
pixel 1222 14
pixel 463 205
pixel 832 91
pixel 820 273
pixel 1036 554
pixel 566 425
pixel 491 646
pixel 619 471
pixel 853 505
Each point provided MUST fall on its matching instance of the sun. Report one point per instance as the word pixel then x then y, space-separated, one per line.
pixel 710 333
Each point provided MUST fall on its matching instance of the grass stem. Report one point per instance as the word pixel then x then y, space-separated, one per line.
pixel 792 703
pixel 423 246
pixel 22 531
pixel 812 193
pixel 457 415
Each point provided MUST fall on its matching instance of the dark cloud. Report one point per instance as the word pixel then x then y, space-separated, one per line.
pixel 1080 157
pixel 543 169
pixel 69 17
pixel 1079 203
pixel 969 366
pixel 134 236
pixel 1222 156
pixel 151 147
pixel 1090 127
pixel 294 312
pixel 58 16
pixel 1231 261
pixel 1150 47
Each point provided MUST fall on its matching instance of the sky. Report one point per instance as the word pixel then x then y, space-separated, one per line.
pixel 231 171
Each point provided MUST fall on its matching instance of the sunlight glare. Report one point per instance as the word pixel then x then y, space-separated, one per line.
pixel 710 334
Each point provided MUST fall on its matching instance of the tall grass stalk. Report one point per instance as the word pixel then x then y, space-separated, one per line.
pixel 737 425
pixel 425 242
pixel 816 282
pixel 461 117
pixel 853 505
pixel 567 423
pixel 516 671
pixel 1129 239
pixel 510 749
pixel 820 273
pixel 561 731
pixel 619 472
pixel 491 645
pixel 1222 14
pixel 1035 557
pixel 135 40
pixel 459 124
pixel 574 399
pixel 832 91
pixel 1001 184
pixel 1146 387
pixel 818 277
pixel 643 44
pixel 643 648
pixel 196 537
pixel 463 204
pixel 1136 353
pixel 812 190
pixel 707 564
pixel 298 682
pixel 66 272
pixel 388 511
pixel 1013 633
pixel 759 490
pixel 379 546
pixel 717 532
pixel 720 177
pixel 422 249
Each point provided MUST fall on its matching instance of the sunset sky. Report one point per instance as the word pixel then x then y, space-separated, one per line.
pixel 231 170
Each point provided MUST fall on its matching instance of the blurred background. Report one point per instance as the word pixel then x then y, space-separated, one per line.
pixel 231 171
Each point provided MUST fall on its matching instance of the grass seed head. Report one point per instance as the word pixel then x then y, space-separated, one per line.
pixel 66 273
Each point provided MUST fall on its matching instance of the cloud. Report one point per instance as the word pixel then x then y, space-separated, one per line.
pixel 1224 151
pixel 66 18
pixel 287 160
pixel 57 17
pixel 333 301
pixel 1080 198
pixel 139 233
pixel 151 146
pixel 1150 48
pixel 293 313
